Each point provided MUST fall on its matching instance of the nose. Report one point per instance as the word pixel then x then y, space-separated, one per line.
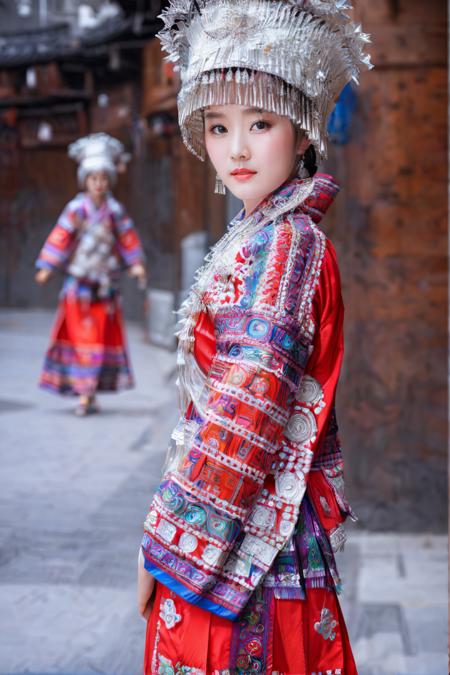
pixel 239 148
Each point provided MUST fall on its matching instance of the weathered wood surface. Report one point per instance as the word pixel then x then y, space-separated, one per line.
pixel 389 225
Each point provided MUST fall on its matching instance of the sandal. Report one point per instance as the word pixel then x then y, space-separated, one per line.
pixel 82 410
pixel 93 406
pixel 87 406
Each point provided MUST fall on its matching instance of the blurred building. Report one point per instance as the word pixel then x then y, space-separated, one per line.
pixel 71 68
pixel 68 68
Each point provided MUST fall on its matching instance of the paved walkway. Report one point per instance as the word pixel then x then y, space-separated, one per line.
pixel 395 601
pixel 73 493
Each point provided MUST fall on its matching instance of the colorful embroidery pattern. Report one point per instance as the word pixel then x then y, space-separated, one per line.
pixel 315 553
pixel 329 459
pixel 85 369
pixel 250 651
pixel 168 613
pixel 325 627
pixel 76 218
pixel 167 667
pixel 231 503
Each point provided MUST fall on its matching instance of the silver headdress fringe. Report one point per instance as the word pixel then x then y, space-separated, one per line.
pixel 291 57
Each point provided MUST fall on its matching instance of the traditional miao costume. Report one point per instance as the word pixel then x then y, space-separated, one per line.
pixel 90 245
pixel 242 530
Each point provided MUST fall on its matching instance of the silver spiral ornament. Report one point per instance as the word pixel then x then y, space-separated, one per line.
pixel 188 542
pixel 263 517
pixel 310 391
pixel 301 427
pixel 290 486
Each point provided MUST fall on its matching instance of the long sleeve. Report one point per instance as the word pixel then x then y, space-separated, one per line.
pixel 325 483
pixel 128 243
pixel 62 240
pixel 324 365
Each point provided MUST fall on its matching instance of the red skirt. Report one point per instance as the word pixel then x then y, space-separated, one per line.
pixel 283 637
pixel 87 351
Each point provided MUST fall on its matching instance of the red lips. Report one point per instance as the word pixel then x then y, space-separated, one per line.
pixel 242 172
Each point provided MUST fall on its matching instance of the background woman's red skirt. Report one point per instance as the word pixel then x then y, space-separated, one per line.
pixel 87 351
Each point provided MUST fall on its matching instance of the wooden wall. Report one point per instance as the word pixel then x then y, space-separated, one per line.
pixel 389 225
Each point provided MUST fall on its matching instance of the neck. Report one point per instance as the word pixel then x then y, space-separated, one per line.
pixel 97 200
pixel 251 204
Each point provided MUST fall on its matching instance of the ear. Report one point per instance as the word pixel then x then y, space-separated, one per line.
pixel 303 144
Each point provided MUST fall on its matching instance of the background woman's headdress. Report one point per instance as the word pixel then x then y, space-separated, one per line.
pixel 292 57
pixel 98 152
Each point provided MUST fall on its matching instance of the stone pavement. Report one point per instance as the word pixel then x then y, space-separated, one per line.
pixel 73 493
pixel 396 603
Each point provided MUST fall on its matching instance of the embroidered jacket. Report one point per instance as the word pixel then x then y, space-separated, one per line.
pixel 262 427
pixel 90 245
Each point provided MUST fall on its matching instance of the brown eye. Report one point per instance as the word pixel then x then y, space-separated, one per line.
pixel 218 129
pixel 260 125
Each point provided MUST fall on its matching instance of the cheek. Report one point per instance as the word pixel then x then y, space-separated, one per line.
pixel 215 149
pixel 280 147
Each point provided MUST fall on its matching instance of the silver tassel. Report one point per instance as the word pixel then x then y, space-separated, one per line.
pixel 219 187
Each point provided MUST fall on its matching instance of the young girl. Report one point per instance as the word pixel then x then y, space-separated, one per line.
pixel 92 240
pixel 236 569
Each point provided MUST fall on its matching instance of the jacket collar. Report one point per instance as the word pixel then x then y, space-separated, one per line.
pixel 311 196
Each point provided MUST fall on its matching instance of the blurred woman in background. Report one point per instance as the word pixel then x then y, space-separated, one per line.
pixel 92 241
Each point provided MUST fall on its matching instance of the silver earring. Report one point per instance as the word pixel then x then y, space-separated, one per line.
pixel 219 187
pixel 302 171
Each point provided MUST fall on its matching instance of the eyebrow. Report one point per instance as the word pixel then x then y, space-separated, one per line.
pixel 209 115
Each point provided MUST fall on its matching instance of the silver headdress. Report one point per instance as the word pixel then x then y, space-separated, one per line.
pixel 291 57
pixel 98 152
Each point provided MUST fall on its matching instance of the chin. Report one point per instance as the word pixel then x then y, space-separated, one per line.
pixel 252 192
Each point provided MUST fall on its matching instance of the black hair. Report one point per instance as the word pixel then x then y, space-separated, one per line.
pixel 310 160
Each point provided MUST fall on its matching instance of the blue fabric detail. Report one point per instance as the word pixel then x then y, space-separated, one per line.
pixel 191 597
pixel 44 264
pixel 339 122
